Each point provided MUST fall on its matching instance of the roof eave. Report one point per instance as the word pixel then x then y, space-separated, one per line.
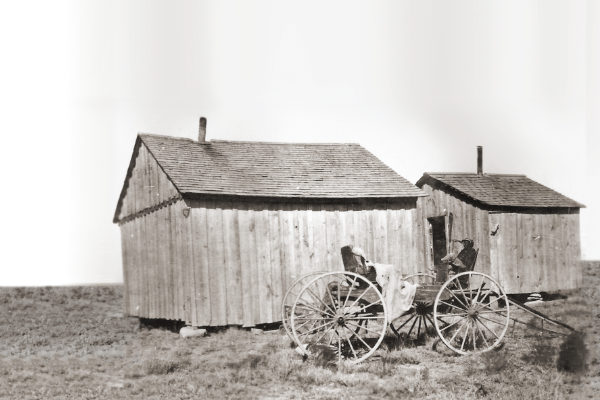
pixel 197 195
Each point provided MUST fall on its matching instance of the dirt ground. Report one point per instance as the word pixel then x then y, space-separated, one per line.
pixel 75 343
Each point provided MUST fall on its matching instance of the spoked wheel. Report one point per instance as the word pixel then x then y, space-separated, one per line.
pixel 290 297
pixel 342 311
pixel 471 313
pixel 419 318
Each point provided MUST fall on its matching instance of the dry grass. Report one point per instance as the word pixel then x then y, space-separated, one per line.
pixel 75 343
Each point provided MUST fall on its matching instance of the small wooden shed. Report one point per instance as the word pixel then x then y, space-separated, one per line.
pixel 527 233
pixel 214 232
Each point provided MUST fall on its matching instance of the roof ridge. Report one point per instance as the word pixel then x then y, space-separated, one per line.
pixel 523 175
pixel 283 143
pixel 248 141
pixel 472 173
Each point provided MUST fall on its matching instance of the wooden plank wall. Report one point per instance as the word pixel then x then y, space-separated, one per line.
pixel 230 263
pixel 155 246
pixel 530 252
pixel 147 186
pixel 152 260
pixel 536 252
pixel 256 250
pixel 468 222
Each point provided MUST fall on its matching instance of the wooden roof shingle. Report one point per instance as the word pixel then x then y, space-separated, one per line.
pixel 323 170
pixel 275 170
pixel 500 190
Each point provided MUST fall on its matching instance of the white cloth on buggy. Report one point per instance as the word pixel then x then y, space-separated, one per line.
pixel 397 294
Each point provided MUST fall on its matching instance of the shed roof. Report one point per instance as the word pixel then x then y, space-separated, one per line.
pixel 501 190
pixel 280 170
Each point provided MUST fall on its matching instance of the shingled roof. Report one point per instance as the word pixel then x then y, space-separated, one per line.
pixel 498 190
pixel 288 170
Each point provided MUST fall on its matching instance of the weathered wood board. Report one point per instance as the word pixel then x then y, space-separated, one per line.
pixel 536 252
pixel 525 251
pixel 212 263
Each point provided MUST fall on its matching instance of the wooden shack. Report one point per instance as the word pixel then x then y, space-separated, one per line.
pixel 214 232
pixel 527 234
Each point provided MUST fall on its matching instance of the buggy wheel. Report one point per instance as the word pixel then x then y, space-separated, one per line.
pixel 341 311
pixel 418 319
pixel 471 313
pixel 290 296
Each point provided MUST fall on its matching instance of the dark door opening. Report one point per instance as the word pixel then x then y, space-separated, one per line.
pixel 439 245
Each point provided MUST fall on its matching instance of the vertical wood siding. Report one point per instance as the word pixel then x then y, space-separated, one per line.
pixel 230 262
pixel 536 252
pixel 530 252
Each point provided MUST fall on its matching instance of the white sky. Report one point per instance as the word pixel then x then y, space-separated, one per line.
pixel 419 83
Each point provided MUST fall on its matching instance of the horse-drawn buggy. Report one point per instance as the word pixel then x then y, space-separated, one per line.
pixel 352 311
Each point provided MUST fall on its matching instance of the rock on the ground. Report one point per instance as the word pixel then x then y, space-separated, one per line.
pixel 189 331
pixel 256 331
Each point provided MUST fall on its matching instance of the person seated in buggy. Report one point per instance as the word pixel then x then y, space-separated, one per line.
pixel 463 261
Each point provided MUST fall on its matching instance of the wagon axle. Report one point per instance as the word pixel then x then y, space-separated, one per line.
pixel 472 312
pixel 422 308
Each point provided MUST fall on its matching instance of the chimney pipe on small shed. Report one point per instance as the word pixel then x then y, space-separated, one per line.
pixel 202 130
pixel 479 160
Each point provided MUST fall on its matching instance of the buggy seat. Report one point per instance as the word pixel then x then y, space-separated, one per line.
pixel 354 261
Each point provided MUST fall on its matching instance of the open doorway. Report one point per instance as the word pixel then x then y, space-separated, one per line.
pixel 439 245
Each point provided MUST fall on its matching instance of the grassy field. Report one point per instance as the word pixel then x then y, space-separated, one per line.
pixel 74 343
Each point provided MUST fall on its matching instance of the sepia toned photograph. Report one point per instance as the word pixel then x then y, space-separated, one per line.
pixel 300 199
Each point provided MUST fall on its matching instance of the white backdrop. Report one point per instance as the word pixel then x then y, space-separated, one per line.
pixel 420 84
